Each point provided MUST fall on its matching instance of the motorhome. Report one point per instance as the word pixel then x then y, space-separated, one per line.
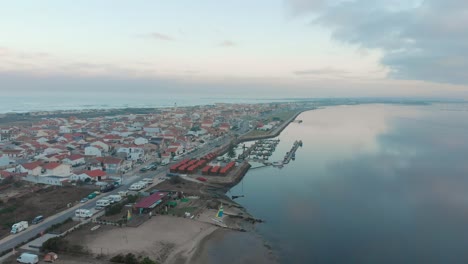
pixel 102 203
pixel 28 258
pixel 83 213
pixel 114 198
pixel 123 193
pixel 18 227
pixel 148 180
pixel 136 187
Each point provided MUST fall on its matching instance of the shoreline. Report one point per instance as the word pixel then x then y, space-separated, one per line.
pixel 274 133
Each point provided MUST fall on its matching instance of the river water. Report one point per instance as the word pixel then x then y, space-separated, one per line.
pixel 371 184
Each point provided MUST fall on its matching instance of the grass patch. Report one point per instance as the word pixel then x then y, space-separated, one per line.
pixel 181 211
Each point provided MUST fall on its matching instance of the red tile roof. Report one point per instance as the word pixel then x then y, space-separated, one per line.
pixel 109 160
pixel 31 165
pixel 75 157
pixel 95 173
pixel 147 202
pixel 51 166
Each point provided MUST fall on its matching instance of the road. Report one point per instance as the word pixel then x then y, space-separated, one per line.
pixel 13 240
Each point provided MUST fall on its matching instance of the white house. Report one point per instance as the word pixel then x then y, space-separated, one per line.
pixel 132 153
pixel 56 169
pixel 4 160
pixel 74 160
pixel 91 174
pixel 93 151
pixel 64 129
pixel 141 141
pixel 104 146
pixel 32 168
pixel 42 140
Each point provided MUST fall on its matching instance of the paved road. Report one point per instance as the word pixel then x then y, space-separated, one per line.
pixel 13 240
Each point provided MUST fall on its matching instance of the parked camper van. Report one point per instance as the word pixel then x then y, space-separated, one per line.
pixel 18 227
pixel 102 203
pixel 83 213
pixel 148 180
pixel 114 198
pixel 123 193
pixel 136 187
pixel 28 258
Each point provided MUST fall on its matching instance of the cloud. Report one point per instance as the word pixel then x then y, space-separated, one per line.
pixel 420 40
pixel 322 71
pixel 160 36
pixel 227 43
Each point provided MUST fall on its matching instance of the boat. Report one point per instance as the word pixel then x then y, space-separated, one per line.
pixel 277 164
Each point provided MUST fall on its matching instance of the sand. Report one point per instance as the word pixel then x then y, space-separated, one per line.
pixel 164 238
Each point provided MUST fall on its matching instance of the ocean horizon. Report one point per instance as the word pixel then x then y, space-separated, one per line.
pixel 24 104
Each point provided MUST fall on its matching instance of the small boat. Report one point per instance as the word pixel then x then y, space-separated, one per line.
pixel 277 164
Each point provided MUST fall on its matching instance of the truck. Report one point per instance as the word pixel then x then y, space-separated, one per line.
pixel 28 258
pixel 114 198
pixel 18 227
pixel 83 213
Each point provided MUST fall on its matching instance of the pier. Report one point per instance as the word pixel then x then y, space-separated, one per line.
pixel 292 153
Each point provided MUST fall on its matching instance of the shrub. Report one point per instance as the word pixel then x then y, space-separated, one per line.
pixel 175 179
pixel 132 198
pixel 130 259
pixel 118 259
pixel 114 209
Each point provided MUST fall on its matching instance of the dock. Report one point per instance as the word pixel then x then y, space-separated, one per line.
pixel 292 153
pixel 260 150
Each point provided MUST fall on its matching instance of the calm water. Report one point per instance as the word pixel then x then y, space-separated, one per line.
pixel 372 184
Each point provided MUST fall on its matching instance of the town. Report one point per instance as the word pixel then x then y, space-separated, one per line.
pixel 56 167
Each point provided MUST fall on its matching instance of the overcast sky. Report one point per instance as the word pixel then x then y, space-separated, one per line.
pixel 270 48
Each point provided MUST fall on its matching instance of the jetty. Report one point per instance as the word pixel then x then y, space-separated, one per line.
pixel 292 153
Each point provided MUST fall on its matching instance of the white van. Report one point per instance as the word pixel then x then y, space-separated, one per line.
pixel 123 193
pixel 136 187
pixel 83 213
pixel 28 258
pixel 114 198
pixel 102 203
pixel 148 180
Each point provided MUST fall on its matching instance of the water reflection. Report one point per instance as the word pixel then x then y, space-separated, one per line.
pixel 372 184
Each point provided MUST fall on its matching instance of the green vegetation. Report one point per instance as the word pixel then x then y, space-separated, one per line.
pixel 132 198
pixel 132 259
pixel 231 151
pixel 7 210
pixel 58 244
pixel 114 209
pixel 55 226
pixel 181 211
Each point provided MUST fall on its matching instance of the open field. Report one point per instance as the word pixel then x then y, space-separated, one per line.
pixel 46 202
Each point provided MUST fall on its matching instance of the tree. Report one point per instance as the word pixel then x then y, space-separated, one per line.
pixel 231 151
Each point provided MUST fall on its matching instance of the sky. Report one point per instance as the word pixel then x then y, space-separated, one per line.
pixel 262 48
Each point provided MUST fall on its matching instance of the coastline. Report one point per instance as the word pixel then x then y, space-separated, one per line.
pixel 275 132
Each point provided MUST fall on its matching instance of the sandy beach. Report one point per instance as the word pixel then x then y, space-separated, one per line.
pixel 163 238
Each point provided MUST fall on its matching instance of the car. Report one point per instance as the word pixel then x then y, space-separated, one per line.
pixel 37 219
pixel 84 200
pixel 144 169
